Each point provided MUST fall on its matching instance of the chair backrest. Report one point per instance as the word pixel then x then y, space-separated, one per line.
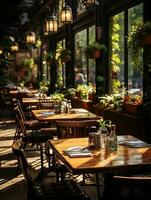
pixel 21 110
pixel 18 151
pixel 45 103
pixel 20 121
pixel 74 129
pixel 132 187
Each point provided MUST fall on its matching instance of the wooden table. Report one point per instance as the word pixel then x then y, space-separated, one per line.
pixel 75 114
pixel 125 159
pixel 16 93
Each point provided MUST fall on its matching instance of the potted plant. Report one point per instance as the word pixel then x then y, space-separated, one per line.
pixel 132 103
pixel 139 37
pixel 112 101
pixel 104 126
pixel 57 97
pixel 43 88
pixel 85 91
pixel 94 50
pixel 63 54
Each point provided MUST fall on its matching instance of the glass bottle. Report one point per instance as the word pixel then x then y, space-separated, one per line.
pixel 103 137
pixel 112 139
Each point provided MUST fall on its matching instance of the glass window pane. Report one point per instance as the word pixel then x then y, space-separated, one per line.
pixel 84 67
pixel 91 62
pixel 80 59
pixel 135 74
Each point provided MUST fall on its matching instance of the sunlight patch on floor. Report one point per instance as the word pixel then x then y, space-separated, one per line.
pixel 11 182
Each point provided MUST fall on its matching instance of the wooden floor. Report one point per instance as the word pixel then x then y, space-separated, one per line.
pixel 12 185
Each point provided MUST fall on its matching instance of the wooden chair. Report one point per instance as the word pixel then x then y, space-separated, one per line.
pixel 136 187
pixel 45 103
pixel 74 129
pixel 35 137
pixel 40 190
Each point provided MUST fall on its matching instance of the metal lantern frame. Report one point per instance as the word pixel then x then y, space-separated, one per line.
pixel 1 50
pixel 14 47
pixel 66 14
pixel 51 24
pixel 31 38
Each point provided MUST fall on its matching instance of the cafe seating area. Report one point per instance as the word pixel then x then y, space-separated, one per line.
pixel 75 100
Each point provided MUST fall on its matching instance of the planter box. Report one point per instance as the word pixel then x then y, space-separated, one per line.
pixel 132 108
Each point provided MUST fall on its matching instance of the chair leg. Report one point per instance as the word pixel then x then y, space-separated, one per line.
pixel 41 156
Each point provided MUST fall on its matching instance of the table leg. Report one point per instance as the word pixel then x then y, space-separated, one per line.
pixel 108 188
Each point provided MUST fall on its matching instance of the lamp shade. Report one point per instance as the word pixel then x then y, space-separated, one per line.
pixel 66 14
pixel 1 50
pixel 51 24
pixel 30 38
pixel 14 47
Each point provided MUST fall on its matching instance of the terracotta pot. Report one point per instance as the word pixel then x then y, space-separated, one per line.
pixel 97 54
pixel 146 41
pixel 66 59
pixel 91 96
pixel 78 94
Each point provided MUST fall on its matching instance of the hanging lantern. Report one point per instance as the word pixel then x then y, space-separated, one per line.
pixel 31 38
pixel 66 14
pixel 88 3
pixel 14 47
pixel 51 25
pixel 1 50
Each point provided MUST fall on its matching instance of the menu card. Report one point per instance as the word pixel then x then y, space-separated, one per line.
pixel 135 143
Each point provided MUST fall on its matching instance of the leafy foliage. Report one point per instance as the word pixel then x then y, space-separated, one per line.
pixel 135 42
pixel 104 123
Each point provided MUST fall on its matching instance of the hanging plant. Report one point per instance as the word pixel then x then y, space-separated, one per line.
pixel 94 50
pixel 63 54
pixel 49 56
pixel 139 37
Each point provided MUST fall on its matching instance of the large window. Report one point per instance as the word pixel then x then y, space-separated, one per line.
pixel 84 68
pixel 45 65
pixel 122 69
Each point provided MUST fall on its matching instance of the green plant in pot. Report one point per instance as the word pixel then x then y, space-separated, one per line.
pixel 63 54
pixel 93 50
pixel 140 36
pixel 104 125
pixel 43 88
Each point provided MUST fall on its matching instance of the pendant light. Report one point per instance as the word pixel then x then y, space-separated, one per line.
pixel 14 47
pixel 31 38
pixel 1 50
pixel 51 24
pixel 66 14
